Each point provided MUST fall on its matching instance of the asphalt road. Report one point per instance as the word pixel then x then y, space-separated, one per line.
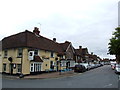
pixel 102 77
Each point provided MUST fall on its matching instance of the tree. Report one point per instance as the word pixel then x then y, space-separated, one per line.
pixel 114 45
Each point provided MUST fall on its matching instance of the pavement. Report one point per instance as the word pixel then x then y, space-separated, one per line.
pixel 43 75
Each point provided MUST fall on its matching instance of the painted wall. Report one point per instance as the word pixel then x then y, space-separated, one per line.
pixel 44 55
pixel 11 53
pixel 16 60
pixel 25 62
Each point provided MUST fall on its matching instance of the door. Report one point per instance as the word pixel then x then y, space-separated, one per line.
pixel 11 68
pixel 51 65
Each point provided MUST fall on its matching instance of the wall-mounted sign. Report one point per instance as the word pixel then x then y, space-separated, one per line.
pixel 10 59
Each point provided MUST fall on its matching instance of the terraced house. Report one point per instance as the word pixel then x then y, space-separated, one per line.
pixel 29 52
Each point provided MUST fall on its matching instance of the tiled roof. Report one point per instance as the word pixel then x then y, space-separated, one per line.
pixel 30 40
pixel 37 59
pixel 42 43
pixel 78 52
pixel 14 41
pixel 65 45
pixel 84 51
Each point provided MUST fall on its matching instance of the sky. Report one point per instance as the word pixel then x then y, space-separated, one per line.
pixel 86 23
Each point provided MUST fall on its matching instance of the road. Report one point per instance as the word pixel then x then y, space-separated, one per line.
pixel 102 77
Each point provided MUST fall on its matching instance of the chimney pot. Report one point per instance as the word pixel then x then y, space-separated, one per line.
pixel 36 31
pixel 54 39
pixel 80 47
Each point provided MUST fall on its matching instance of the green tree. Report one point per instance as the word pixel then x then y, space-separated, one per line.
pixel 114 45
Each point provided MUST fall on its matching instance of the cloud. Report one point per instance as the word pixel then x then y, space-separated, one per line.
pixel 89 23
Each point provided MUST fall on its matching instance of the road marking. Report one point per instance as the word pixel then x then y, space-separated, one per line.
pixel 108 85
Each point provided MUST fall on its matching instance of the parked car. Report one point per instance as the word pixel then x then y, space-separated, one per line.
pixel 79 68
pixel 87 66
pixel 98 65
pixel 117 68
pixel 113 66
pixel 101 64
pixel 92 66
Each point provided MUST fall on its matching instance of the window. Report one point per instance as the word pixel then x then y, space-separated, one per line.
pixel 63 63
pixel 38 67
pixel 36 53
pixel 31 68
pixel 19 68
pixel 20 52
pixel 31 54
pixel 5 53
pixel 52 54
pixel 4 67
pixel 35 67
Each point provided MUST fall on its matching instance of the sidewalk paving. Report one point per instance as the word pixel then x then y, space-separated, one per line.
pixel 43 75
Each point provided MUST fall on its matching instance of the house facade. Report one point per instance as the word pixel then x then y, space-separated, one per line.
pixel 29 52
pixel 69 52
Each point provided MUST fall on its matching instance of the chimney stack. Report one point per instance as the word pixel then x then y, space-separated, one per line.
pixel 91 53
pixel 36 31
pixel 54 39
pixel 80 47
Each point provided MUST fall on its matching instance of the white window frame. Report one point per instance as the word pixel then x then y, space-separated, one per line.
pixel 36 67
pixel 19 68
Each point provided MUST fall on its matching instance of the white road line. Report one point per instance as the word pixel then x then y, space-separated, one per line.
pixel 108 85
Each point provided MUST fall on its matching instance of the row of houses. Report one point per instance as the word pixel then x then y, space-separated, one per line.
pixel 29 52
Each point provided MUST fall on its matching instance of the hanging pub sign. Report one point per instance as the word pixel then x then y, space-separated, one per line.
pixel 10 59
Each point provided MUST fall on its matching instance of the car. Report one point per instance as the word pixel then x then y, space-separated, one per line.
pixel 101 64
pixel 113 66
pixel 79 68
pixel 98 65
pixel 117 68
pixel 87 66
pixel 92 66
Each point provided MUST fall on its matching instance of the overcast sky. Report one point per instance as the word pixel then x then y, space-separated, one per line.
pixel 87 23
